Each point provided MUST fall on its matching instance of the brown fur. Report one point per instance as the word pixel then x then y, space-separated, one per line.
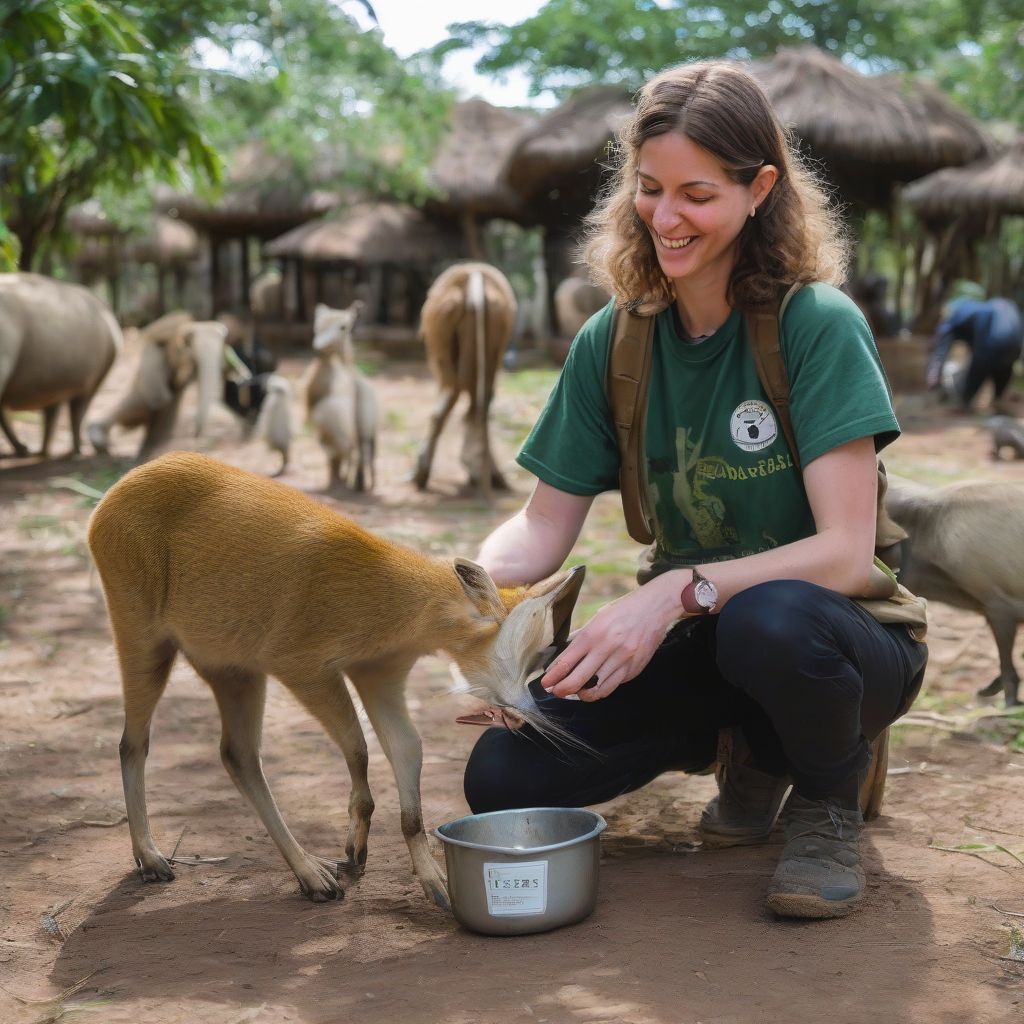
pixel 249 578
pixel 464 349
pixel 966 548
pixel 57 343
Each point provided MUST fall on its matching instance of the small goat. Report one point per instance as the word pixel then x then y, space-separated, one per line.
pixel 340 402
pixel 466 324
pixel 274 424
pixel 248 578
pixel 966 548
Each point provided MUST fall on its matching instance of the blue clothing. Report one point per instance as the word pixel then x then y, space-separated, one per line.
pixel 992 328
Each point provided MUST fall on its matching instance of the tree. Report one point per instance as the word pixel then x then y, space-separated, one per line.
pixel 85 97
pixel 972 48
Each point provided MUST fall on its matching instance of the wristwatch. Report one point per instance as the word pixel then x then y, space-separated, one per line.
pixel 699 596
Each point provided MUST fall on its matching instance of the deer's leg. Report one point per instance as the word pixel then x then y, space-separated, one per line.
pixel 328 701
pixel 241 695
pixel 144 672
pixel 425 457
pixel 381 687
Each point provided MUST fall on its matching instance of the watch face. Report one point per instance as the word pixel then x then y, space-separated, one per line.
pixel 705 594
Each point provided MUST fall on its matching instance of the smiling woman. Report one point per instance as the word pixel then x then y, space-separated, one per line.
pixel 745 618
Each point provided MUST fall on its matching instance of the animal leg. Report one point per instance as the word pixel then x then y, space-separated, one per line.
pixel 327 700
pixel 159 428
pixel 424 459
pixel 381 687
pixel 49 422
pixel 241 696
pixel 1004 629
pixel 76 410
pixel 19 449
pixel 144 672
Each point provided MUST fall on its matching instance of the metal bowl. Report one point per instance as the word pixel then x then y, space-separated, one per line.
pixel 521 871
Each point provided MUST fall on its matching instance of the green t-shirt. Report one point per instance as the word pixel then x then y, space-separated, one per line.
pixel 722 481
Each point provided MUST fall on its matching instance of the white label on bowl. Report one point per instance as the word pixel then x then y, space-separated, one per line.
pixel 516 889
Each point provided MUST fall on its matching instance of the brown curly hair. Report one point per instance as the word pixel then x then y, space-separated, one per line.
pixel 797 234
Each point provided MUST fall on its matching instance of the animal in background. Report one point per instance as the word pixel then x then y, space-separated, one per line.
pixel 57 343
pixel 466 323
pixel 274 424
pixel 1007 432
pixel 266 295
pixel 175 350
pixel 965 547
pixel 247 579
pixel 340 402
pixel 576 301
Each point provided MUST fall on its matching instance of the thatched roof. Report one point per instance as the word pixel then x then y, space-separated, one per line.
pixel 370 233
pixel 169 242
pixel 871 131
pixel 264 196
pixel 994 185
pixel 87 220
pixel 469 160
pixel 558 160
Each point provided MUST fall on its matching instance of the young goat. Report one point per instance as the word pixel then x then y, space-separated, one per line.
pixel 249 578
pixel 340 401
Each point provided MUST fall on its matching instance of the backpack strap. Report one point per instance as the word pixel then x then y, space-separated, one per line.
pixel 628 375
pixel 763 335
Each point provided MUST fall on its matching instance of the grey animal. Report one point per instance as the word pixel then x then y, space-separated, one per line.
pixel 1007 432
pixel 57 343
pixel 965 547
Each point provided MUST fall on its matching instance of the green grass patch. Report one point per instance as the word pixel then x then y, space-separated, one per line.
pixel 536 381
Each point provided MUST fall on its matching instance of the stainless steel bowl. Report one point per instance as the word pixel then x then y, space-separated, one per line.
pixel 521 871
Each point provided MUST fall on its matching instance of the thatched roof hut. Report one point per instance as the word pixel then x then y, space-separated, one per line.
pixel 871 131
pixel 167 243
pixel 466 169
pixel 556 164
pixel 990 187
pixel 263 197
pixel 369 233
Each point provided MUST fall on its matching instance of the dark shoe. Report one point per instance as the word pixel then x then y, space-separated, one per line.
pixel 819 874
pixel 745 809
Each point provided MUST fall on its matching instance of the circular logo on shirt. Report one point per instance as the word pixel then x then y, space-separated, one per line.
pixel 753 425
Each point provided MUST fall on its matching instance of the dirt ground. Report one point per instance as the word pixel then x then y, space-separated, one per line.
pixel 679 935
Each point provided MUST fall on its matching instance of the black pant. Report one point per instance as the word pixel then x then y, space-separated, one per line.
pixel 808 674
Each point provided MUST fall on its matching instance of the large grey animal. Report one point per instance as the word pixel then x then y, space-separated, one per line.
pixel 965 547
pixel 175 351
pixel 57 343
pixel 466 322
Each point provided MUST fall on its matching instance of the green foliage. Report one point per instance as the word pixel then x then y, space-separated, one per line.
pixel 85 97
pixel 974 49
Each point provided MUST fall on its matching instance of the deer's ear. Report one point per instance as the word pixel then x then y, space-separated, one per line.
pixel 564 601
pixel 479 587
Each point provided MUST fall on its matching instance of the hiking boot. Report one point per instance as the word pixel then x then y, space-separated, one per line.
pixel 745 809
pixel 819 873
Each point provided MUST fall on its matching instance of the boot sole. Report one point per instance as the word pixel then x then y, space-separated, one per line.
pixel 814 908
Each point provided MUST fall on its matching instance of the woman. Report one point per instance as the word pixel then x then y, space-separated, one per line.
pixel 741 619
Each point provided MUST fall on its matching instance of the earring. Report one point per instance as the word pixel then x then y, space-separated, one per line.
pixel 753 210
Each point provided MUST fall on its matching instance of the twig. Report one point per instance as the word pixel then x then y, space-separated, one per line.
pixel 57 998
pixel 197 860
pixel 94 823
pixel 1008 913
pixel 988 828
pixel 978 854
pixel 178 843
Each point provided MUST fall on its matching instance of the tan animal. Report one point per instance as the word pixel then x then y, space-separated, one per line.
pixel 274 423
pixel 57 343
pixel 966 548
pixel 340 402
pixel 576 301
pixel 249 578
pixel 466 322
pixel 176 349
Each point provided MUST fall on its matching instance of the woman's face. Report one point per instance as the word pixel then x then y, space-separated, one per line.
pixel 693 209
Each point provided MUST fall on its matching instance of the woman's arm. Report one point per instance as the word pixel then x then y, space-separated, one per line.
pixel 536 540
pixel 620 639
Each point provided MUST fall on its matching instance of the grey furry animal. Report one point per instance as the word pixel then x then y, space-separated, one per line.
pixel 965 547
pixel 1007 432
pixel 274 423
pixel 57 343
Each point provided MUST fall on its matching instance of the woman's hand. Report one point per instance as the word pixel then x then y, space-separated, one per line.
pixel 619 641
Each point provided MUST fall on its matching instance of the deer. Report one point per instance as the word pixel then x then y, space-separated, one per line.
pixel 249 578
pixel 466 323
